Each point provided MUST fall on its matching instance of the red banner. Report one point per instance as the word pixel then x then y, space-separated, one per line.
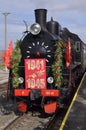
pixel 35 73
pixel 7 55
pixel 68 53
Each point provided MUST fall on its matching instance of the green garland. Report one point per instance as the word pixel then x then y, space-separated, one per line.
pixel 57 66
pixel 15 59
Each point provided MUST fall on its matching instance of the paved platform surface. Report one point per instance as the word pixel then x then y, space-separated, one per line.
pixel 77 117
pixel 3 76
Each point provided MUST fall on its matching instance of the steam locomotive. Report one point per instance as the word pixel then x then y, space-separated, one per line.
pixel 45 65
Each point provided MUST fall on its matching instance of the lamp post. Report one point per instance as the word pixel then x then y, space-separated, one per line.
pixel 5 14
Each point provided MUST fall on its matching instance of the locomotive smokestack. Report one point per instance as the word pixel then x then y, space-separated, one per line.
pixel 40 16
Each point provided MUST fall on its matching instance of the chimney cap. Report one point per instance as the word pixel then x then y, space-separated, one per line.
pixel 40 9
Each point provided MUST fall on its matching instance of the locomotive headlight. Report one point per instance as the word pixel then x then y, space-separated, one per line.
pixel 50 80
pixel 21 80
pixel 35 28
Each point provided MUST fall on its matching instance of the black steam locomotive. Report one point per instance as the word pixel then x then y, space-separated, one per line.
pixel 45 65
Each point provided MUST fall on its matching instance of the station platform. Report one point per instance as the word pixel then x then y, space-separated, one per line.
pixel 75 118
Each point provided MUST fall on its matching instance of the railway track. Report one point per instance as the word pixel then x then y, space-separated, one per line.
pixel 34 122
pixel 9 121
pixel 37 121
pixel 6 113
pixel 28 122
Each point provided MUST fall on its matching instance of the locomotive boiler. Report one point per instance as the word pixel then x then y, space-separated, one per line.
pixel 44 66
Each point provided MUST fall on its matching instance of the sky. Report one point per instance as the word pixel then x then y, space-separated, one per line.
pixel 68 13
